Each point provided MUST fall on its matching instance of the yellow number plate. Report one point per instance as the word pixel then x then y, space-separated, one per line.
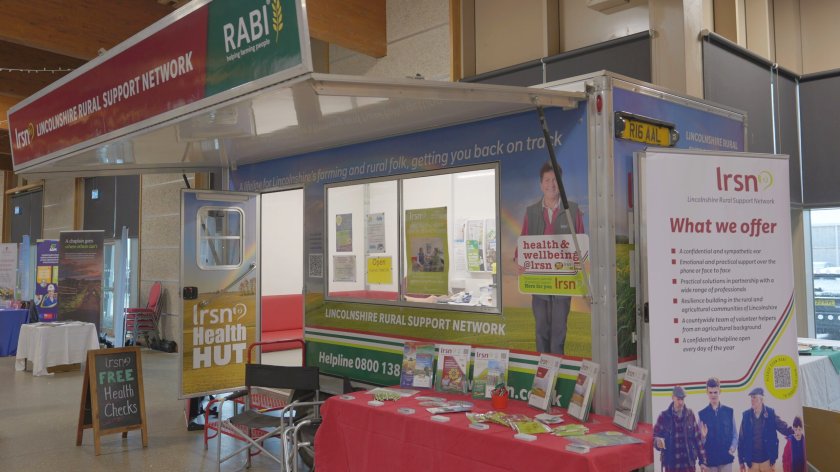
pixel 647 133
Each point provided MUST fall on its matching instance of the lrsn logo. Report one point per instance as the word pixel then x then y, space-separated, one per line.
pixel 254 27
pixel 744 182
pixel 23 138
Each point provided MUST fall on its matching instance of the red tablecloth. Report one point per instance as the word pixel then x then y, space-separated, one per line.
pixel 358 437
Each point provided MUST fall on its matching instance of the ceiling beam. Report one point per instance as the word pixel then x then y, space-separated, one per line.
pixel 5 151
pixel 76 28
pixel 359 25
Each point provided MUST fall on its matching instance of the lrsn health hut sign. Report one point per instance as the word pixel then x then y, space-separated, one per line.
pixel 197 52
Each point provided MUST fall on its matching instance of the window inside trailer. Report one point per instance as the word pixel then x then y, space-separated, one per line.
pixel 219 238
pixel 418 239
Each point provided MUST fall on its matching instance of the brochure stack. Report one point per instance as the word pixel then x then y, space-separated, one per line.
pixel 490 369
pixel 630 396
pixel 417 365
pixel 581 401
pixel 545 381
pixel 452 364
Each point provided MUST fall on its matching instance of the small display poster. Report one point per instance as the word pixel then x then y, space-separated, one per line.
pixel 375 233
pixel 379 270
pixel 46 280
pixel 427 251
pixel 8 271
pixel 344 268
pixel 551 266
pixel 475 245
pixel 344 232
pixel 489 244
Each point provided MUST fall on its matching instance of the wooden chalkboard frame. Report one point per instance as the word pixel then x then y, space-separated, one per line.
pixel 89 414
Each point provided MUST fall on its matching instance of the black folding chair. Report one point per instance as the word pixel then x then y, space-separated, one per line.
pixel 302 436
pixel 304 382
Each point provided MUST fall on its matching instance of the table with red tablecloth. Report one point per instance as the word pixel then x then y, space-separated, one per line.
pixel 355 436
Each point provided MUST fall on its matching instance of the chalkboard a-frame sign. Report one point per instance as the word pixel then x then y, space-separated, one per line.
pixel 112 395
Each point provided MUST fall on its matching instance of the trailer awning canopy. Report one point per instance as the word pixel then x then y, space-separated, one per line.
pixel 308 113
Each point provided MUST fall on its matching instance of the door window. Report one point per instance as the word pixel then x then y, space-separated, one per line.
pixel 219 238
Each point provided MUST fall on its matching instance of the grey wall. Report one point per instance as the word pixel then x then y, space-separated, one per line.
pixel 819 96
pixel 734 77
pixel 628 56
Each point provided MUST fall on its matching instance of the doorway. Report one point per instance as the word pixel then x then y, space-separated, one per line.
pixel 282 290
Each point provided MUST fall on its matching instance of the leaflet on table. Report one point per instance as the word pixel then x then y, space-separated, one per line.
pixel 581 401
pixel 401 392
pixel 526 425
pixel 544 381
pixel 607 438
pixel 630 396
pixel 517 422
pixel 570 430
pixel 489 370
pixel 417 365
pixel 451 407
pixel 452 364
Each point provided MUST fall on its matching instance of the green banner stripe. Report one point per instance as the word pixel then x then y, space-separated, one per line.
pixel 356 346
pixel 358 337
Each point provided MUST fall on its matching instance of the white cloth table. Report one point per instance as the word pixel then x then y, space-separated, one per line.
pixel 818 342
pixel 51 344
pixel 820 382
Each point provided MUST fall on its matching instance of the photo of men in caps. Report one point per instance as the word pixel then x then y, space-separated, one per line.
pixel 758 443
pixel 717 427
pixel 677 437
pixel 793 459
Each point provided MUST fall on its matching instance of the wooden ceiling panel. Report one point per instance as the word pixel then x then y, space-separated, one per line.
pixel 76 28
pixel 24 84
pixel 359 25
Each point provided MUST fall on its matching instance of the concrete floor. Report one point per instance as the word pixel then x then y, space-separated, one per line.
pixel 39 416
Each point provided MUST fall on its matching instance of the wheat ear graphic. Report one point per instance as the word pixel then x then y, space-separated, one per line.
pixel 277 23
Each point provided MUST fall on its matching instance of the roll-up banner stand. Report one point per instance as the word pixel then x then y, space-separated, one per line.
pixel 80 276
pixel 717 274
pixel 46 279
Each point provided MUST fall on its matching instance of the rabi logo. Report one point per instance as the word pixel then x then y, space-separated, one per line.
pixel 726 182
pixel 23 138
pixel 253 28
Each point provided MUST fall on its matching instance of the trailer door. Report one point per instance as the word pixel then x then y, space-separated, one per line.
pixel 220 288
